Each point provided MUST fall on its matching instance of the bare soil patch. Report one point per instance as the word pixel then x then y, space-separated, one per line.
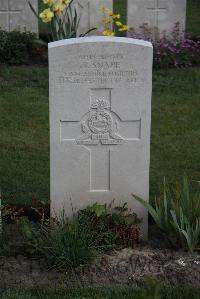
pixel 125 268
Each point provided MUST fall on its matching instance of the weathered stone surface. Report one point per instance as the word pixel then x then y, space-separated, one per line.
pixel 157 13
pixel 17 15
pixel 91 15
pixel 100 114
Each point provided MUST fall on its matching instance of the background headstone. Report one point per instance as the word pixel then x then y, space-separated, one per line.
pixel 17 15
pixel 91 15
pixel 100 114
pixel 162 14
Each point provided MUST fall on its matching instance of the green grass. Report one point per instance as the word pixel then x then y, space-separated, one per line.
pixel 175 142
pixel 24 159
pixel 24 142
pixel 193 17
pixel 177 293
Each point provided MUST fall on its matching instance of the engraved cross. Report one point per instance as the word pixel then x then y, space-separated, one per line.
pixel 84 11
pixel 100 130
pixel 157 8
pixel 9 11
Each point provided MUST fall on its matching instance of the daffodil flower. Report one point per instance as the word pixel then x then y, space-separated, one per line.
pixel 108 33
pixel 58 9
pixel 46 15
pixel 49 2
pixel 118 23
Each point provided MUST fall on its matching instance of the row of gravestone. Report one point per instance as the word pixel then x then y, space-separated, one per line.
pixel 162 14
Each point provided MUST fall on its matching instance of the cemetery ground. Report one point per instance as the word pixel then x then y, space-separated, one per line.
pixel 25 142
pixel 25 175
pixel 24 172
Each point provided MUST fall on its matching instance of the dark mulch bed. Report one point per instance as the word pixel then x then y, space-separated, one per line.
pixel 125 268
pixel 129 267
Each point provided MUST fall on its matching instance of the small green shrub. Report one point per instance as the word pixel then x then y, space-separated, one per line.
pixel 177 213
pixel 19 48
pixel 115 226
pixel 68 244
pixel 64 245
pixel 103 237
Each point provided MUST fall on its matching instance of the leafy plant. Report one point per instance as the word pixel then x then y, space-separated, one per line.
pixel 176 49
pixel 97 209
pixel 96 218
pixel 67 244
pixel 112 23
pixel 37 212
pixel 18 48
pixel 121 216
pixel 115 226
pixel 177 213
pixel 125 225
pixel 61 18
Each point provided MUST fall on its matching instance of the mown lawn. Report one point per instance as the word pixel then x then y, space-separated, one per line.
pixel 24 142
pixel 193 17
pixel 176 293
pixel 24 158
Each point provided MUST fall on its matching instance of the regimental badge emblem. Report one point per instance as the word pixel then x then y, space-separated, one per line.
pixel 99 125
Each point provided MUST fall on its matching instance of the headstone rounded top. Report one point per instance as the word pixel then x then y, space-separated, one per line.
pixel 96 39
pixel 100 116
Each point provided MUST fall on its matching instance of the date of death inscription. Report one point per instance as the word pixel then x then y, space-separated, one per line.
pixel 99 69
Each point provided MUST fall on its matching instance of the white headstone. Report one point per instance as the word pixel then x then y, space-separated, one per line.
pixel 17 15
pixel 162 14
pixel 91 15
pixel 100 114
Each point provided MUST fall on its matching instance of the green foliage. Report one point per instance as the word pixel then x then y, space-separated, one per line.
pixel 97 209
pixel 65 245
pixel 98 293
pixel 24 142
pixel 152 289
pixel 193 17
pixel 16 48
pixel 121 216
pixel 60 26
pixel 68 244
pixel 114 226
pixel 177 213
pixel 98 225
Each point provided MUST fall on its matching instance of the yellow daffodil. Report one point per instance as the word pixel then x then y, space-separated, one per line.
pixel 110 13
pixel 104 9
pixel 112 23
pixel 117 16
pixel 118 23
pixel 106 21
pixel 58 8
pixel 66 2
pixel 46 15
pixel 108 33
pixel 49 2
pixel 123 28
